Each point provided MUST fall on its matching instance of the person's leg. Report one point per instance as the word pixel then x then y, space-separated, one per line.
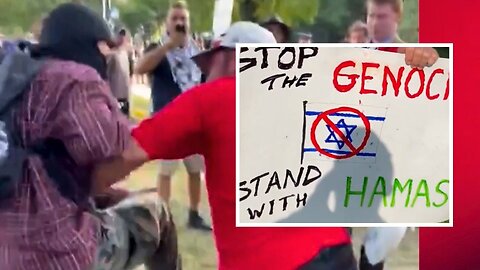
pixel 195 165
pixel 194 190
pixel 365 264
pixel 167 169
pixel 333 258
pixel 378 244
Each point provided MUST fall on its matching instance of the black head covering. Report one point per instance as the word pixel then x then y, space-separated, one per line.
pixel 71 32
pixel 276 20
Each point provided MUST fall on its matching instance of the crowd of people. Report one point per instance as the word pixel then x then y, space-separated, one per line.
pixel 66 139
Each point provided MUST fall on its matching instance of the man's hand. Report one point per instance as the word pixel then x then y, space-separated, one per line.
pixel 110 197
pixel 419 57
pixel 176 39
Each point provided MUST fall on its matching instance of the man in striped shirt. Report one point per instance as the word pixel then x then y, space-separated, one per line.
pixel 47 222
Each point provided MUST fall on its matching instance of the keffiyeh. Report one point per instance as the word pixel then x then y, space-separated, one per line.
pixel 184 71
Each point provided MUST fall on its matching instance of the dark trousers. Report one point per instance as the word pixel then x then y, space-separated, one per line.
pixel 334 258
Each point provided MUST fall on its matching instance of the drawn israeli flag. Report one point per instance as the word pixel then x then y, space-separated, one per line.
pixel 340 132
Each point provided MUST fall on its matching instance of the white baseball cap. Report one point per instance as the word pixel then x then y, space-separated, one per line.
pixel 239 32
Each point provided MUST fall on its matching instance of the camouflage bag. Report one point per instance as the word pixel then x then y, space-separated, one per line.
pixel 138 230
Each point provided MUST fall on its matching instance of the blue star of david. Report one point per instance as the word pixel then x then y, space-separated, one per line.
pixel 332 137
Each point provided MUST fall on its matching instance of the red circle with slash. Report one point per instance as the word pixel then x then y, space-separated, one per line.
pixel 325 117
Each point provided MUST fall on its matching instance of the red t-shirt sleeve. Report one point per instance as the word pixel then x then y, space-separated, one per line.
pixel 175 131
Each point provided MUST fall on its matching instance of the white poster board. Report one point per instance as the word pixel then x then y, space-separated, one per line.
pixel 222 16
pixel 342 135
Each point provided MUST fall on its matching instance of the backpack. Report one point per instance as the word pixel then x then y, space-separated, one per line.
pixel 17 70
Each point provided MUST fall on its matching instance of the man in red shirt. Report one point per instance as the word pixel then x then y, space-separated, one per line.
pixel 202 121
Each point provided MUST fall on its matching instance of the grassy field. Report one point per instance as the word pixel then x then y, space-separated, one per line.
pixel 197 248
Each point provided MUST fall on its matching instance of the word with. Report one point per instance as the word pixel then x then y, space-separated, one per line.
pixel 380 189
pixel 301 201
pixel 390 78
pixel 286 61
pixel 312 173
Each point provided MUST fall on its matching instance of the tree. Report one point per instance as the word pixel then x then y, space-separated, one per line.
pixel 153 12
pixel 17 16
pixel 136 13
pixel 409 25
pixel 292 12
pixel 335 16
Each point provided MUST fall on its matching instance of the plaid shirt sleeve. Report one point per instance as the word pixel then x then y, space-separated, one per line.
pixel 90 123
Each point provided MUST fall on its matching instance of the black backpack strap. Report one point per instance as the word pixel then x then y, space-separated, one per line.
pixel 16 73
pixel 11 167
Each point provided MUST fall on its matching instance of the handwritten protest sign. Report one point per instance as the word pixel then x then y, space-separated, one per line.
pixel 341 135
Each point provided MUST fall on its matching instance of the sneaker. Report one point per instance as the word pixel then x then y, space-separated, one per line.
pixel 366 265
pixel 195 221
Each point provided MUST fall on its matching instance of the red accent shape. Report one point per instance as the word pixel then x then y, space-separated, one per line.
pixel 457 248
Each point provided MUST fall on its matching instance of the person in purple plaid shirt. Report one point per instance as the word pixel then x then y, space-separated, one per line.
pixel 69 101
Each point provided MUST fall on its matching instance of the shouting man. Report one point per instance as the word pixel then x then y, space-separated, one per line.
pixel 173 72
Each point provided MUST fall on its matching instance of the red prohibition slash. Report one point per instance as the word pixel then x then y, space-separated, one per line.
pixel 324 116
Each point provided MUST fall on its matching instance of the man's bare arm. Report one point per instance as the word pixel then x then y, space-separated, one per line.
pixel 156 138
pixel 151 59
pixel 109 172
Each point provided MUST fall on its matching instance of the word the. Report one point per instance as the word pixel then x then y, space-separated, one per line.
pixel 312 174
pixel 422 191
pixel 287 81
pixel 396 80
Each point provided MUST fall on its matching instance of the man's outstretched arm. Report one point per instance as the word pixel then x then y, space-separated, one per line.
pixel 173 133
